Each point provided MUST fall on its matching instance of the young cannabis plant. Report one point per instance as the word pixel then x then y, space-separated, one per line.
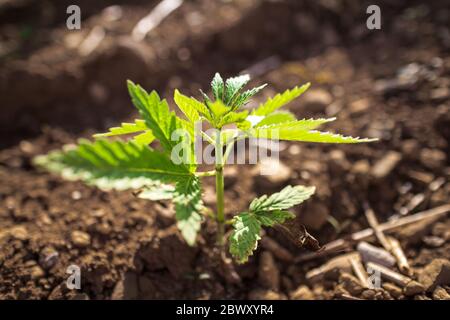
pixel 170 171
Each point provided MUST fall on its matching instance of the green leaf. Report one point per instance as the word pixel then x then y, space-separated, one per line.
pixel 156 114
pixel 188 203
pixel 243 98
pixel 232 87
pixel 276 118
pixel 114 165
pixel 270 218
pixel 156 192
pixel 244 239
pixel 189 106
pixel 161 120
pixel 218 109
pixel 296 134
pixel 291 126
pixel 280 100
pixel 125 128
pixel 217 86
pixel 233 117
pixel 285 199
pixel 146 136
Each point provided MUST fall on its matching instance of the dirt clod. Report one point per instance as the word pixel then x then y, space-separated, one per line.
pixel 440 294
pixel 351 284
pixel 413 288
pixel 302 293
pixel 437 273
pixel 80 239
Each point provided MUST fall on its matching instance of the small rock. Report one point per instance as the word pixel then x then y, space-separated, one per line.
pixel 259 294
pixel 272 174
pixel 368 294
pixel 48 257
pixel 268 273
pixel 351 284
pixel 19 233
pixel 440 294
pixel 440 93
pixel 433 158
pixel 386 165
pixel 36 272
pixel 413 288
pixel 76 195
pixel 294 149
pixel 80 239
pixel 361 167
pixel 302 293
pixel 433 241
pixel 393 290
pixel 359 106
pixel 410 148
pixel 434 274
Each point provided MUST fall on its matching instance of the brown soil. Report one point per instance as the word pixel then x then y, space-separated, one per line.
pixel 391 84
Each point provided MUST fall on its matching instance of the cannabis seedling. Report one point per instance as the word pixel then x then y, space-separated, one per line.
pixel 170 171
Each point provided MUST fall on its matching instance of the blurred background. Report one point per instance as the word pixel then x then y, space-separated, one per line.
pixel 57 85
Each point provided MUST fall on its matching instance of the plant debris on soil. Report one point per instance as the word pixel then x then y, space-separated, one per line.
pixel 392 84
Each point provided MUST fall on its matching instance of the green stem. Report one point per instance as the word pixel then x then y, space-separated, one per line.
pixel 205 173
pixel 220 216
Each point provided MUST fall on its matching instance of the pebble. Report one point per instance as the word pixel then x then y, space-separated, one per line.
pixel 368 294
pixel 80 239
pixel 413 288
pixel 433 241
pixel 383 167
pixel 19 233
pixel 359 106
pixel 433 158
pixel 393 290
pixel 36 272
pixel 440 93
pixel 351 284
pixel 302 293
pixel 48 257
pixel 76 195
pixel 436 273
pixel 440 294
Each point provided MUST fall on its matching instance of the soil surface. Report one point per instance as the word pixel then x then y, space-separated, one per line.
pixel 392 84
